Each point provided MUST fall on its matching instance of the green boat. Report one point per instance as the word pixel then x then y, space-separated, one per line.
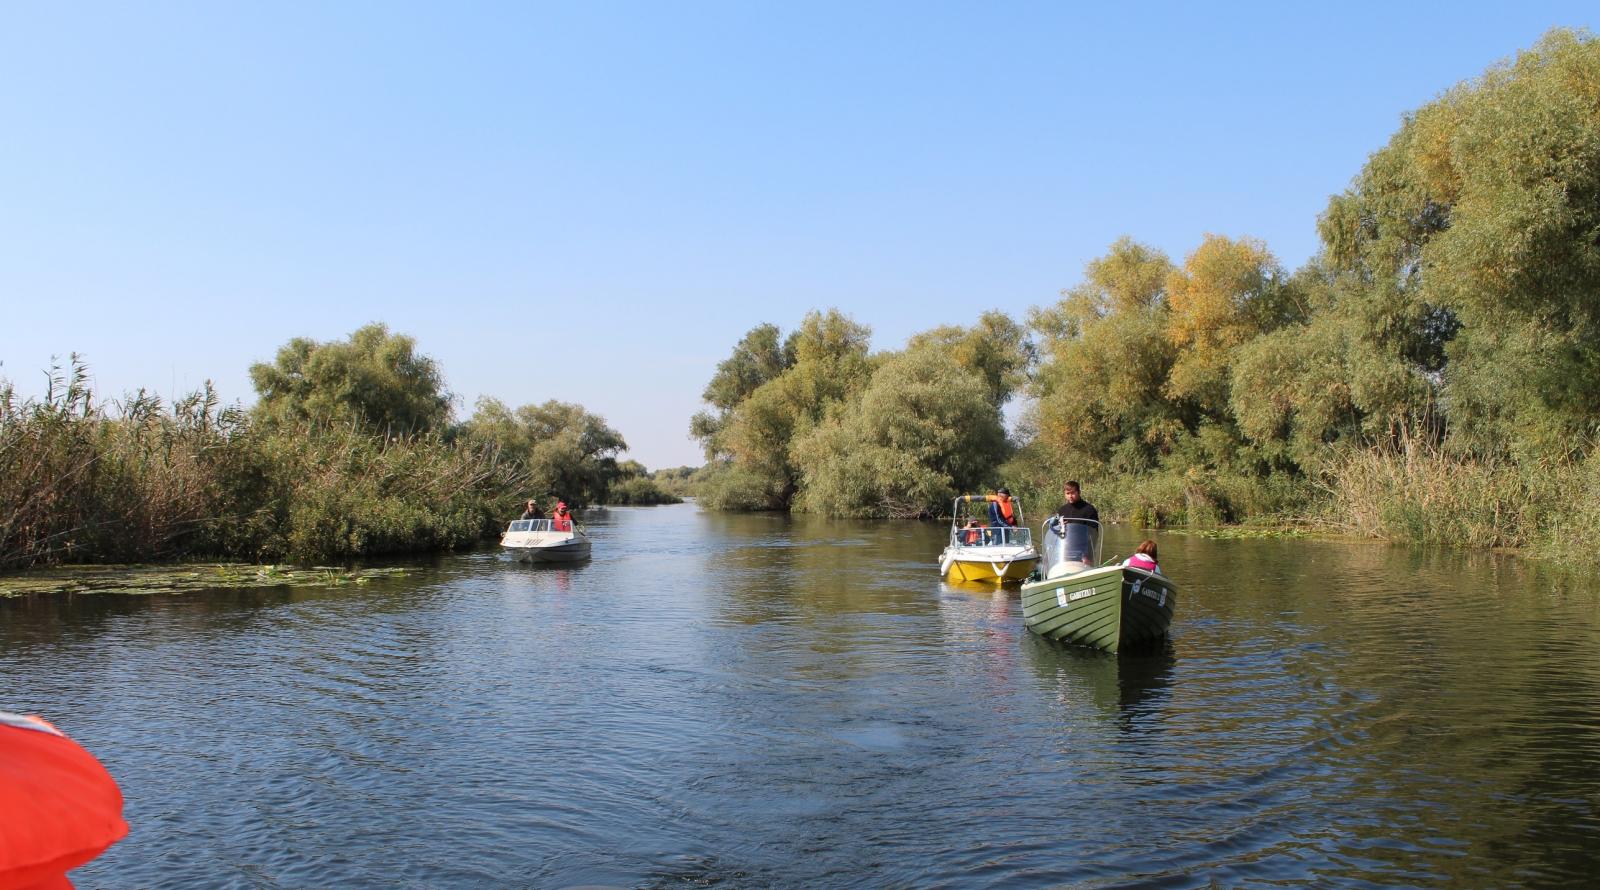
pixel 1077 600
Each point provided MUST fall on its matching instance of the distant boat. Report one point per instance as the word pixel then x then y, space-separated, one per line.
pixel 1080 601
pixel 536 540
pixel 979 552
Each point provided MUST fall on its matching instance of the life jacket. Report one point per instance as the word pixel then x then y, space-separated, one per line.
pixel 1141 561
pixel 562 520
pixel 1008 508
pixel 971 535
pixel 59 807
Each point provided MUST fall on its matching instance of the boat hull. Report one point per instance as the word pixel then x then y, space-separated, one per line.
pixel 1109 608
pixel 546 546
pixel 995 567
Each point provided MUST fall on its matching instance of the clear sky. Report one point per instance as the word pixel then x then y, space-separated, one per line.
pixel 592 202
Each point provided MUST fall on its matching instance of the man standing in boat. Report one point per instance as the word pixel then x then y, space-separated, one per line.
pixel 1076 507
pixel 1002 510
pixel 531 510
pixel 1078 522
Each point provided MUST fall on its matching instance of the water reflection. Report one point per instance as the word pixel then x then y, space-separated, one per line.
pixel 1129 687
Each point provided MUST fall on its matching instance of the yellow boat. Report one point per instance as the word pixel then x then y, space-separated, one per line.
pixel 982 551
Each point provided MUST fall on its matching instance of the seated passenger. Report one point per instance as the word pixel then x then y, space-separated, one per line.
pixel 972 532
pixel 561 520
pixel 1144 557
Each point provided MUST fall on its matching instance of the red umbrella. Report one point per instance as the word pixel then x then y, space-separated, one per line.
pixel 59 808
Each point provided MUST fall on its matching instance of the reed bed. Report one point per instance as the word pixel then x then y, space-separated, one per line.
pixel 137 480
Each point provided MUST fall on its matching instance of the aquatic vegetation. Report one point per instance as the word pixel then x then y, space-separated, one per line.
pixel 138 579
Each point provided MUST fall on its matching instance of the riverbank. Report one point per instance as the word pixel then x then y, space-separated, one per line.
pixel 143 481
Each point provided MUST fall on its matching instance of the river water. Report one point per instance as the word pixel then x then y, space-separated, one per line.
pixel 752 701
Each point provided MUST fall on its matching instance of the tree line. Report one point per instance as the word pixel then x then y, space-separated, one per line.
pixel 1432 373
pixel 350 451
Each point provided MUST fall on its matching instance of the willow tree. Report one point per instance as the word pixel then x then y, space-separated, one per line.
pixel 563 450
pixel 925 429
pixel 1474 239
pixel 1227 293
pixel 757 358
pixel 752 439
pixel 1105 358
pixel 997 349
pixel 375 380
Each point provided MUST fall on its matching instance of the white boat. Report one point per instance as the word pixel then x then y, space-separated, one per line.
pixel 980 552
pixel 536 540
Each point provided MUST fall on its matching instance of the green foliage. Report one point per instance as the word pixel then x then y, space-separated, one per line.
pixel 155 482
pixel 754 435
pixel 637 486
pixel 375 380
pixel 997 349
pixel 563 450
pixel 727 486
pixel 1099 402
pixel 1476 235
pixel 924 430
pixel 681 482
pixel 1227 293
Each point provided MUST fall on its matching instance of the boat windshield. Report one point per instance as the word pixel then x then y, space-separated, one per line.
pixel 530 525
pixel 975 521
pixel 991 536
pixel 1070 545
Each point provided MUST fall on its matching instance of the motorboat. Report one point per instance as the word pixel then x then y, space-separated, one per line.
pixel 1077 600
pixel 980 550
pixel 541 540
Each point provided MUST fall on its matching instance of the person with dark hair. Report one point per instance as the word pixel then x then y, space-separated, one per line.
pixel 1002 509
pixel 1144 558
pixel 1078 522
pixel 1076 507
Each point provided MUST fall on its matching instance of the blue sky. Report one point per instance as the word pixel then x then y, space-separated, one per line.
pixel 592 202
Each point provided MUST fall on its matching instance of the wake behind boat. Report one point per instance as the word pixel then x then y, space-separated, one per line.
pixel 1080 601
pixel 536 540
pixel 986 552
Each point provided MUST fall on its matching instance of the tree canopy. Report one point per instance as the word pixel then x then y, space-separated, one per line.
pixel 375 380
pixel 565 450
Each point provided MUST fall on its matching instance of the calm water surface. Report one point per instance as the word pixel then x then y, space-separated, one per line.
pixel 765 701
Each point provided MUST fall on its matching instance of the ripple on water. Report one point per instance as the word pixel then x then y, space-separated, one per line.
pixel 776 701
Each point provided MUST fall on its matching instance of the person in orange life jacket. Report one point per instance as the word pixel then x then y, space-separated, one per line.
pixel 561 519
pixel 972 532
pixel 1002 509
pixel 1144 558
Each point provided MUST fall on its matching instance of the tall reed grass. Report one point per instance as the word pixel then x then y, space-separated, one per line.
pixel 139 481
pixel 1419 492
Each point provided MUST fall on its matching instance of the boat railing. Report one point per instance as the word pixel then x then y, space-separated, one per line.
pixel 991 536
